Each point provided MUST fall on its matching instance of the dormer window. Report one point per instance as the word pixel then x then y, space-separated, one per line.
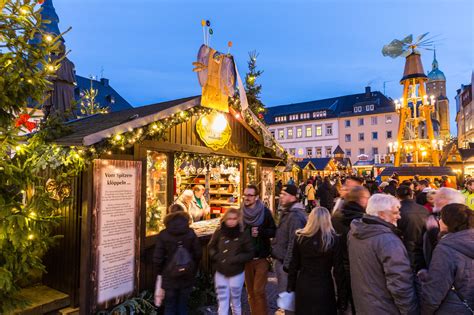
pixel 369 108
pixel 357 109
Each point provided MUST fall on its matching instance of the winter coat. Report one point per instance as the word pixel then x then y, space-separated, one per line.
pixel 309 276
pixel 266 231
pixel 381 277
pixel 412 224
pixel 310 192
pixel 229 250
pixel 430 239
pixel 199 213
pixel 326 193
pixel 177 230
pixel 452 264
pixel 469 198
pixel 341 221
pixel 291 220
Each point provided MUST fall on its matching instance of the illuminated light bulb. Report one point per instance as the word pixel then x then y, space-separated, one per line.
pixel 154 127
pixel 24 10
pixel 237 116
pixel 50 68
pixel 33 214
pixel 109 152
pixel 29 81
pixel 18 148
pixel 48 38
pixel 31 236
pixel 76 156
pixel 118 137
pixel 219 124
pixel 122 148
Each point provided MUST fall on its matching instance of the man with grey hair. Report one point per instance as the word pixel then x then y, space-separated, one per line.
pixel 382 280
pixel 444 196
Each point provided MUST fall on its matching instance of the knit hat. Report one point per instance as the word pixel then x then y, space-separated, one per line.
pixel 291 189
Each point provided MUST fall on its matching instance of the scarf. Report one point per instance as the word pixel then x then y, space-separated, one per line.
pixel 254 216
pixel 230 232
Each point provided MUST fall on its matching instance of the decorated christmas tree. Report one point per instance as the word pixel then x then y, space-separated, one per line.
pixel 35 174
pixel 253 89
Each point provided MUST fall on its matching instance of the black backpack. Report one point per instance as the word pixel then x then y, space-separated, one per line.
pixel 181 263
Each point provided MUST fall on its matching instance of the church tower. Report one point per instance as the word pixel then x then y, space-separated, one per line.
pixel 436 86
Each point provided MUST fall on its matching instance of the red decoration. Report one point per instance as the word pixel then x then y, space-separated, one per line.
pixel 23 121
pixel 40 1
pixel 260 115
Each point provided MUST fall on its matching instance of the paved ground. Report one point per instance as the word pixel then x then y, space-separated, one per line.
pixel 271 295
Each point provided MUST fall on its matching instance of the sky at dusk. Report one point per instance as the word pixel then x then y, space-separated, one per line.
pixel 308 49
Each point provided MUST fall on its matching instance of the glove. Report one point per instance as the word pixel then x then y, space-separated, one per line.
pixel 159 292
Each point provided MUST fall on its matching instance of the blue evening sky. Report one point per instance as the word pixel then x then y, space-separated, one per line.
pixel 308 49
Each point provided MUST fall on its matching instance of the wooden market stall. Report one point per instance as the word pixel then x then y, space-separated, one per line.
pixel 167 149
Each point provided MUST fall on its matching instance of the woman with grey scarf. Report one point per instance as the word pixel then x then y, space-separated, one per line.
pixel 259 223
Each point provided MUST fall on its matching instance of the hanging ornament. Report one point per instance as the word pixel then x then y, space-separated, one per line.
pixel 40 2
pixel 208 23
pixel 260 115
pixel 211 31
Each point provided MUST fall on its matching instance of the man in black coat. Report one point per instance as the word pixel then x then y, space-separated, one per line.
pixel 412 224
pixel 353 208
pixel 421 193
pixel 259 223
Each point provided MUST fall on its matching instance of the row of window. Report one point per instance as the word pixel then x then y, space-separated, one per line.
pixel 308 132
pixel 375 151
pixel 368 108
pixel 318 151
pixel 293 117
pixel 373 121
pixel 375 136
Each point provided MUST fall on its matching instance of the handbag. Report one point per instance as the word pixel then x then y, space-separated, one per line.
pixel 463 300
pixel 159 294
pixel 286 301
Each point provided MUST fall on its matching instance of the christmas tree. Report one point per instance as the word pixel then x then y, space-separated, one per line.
pixel 34 173
pixel 252 89
pixel 89 106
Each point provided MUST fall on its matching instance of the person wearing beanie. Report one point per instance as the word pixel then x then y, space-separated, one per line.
pixel 447 286
pixel 292 218
pixel 412 224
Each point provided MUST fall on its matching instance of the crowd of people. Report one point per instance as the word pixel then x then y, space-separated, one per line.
pixel 342 245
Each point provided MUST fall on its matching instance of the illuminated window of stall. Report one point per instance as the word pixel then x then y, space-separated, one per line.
pixel 156 191
pixel 251 172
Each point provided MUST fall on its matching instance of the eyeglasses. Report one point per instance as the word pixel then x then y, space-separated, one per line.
pixel 247 195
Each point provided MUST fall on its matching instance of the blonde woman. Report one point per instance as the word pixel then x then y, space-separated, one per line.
pixel 317 253
pixel 230 248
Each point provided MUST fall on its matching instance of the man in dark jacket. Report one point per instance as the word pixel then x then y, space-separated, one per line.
pixel 293 217
pixel 412 224
pixel 381 276
pixel 353 208
pixel 326 194
pixel 177 233
pixel 259 224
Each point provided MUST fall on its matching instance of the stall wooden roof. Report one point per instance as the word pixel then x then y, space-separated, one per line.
pixel 92 129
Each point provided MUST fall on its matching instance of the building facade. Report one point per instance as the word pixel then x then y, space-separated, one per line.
pixel 362 124
pixel 464 115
